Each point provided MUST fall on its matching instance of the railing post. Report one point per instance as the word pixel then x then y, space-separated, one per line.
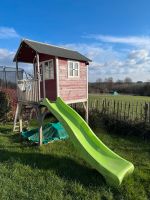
pixel 38 75
pixel 17 79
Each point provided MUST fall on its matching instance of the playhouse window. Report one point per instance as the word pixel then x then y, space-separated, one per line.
pixel 73 69
pixel 48 70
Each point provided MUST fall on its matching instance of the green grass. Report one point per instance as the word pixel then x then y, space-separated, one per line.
pixel 56 171
pixel 125 98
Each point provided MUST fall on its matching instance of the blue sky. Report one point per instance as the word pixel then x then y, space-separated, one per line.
pixel 115 34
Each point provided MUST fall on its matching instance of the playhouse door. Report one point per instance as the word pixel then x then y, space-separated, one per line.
pixel 47 77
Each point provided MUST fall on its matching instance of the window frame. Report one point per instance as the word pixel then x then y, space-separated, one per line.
pixel 42 69
pixel 43 66
pixel 73 61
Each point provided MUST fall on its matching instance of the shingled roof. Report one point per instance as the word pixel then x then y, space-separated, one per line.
pixel 43 48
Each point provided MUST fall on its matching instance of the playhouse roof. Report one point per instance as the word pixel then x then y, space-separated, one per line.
pixel 28 48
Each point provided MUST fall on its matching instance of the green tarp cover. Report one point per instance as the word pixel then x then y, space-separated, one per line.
pixel 51 132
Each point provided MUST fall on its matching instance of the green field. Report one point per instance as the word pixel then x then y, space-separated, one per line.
pixel 56 171
pixel 126 106
pixel 125 98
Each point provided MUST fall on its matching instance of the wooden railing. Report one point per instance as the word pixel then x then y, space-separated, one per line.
pixel 28 90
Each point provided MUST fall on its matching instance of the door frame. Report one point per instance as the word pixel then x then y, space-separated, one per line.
pixel 43 74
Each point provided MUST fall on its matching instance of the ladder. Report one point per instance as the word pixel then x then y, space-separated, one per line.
pixel 22 109
pixel 17 127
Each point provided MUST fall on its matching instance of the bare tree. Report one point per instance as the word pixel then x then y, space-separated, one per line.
pixel 109 80
pixel 109 83
pixel 99 80
pixel 99 84
pixel 128 80
pixel 119 81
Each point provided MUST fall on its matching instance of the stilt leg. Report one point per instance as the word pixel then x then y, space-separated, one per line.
pixel 40 119
pixel 20 123
pixel 40 135
pixel 85 104
pixel 18 115
pixel 87 113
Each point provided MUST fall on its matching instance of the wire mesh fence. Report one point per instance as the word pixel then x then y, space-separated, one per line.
pixel 8 77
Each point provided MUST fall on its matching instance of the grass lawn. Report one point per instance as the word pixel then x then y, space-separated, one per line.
pixel 56 171
pixel 125 98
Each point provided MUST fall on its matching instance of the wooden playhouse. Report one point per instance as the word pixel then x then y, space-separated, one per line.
pixel 57 72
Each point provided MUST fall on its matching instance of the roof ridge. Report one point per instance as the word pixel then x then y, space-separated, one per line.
pixel 25 39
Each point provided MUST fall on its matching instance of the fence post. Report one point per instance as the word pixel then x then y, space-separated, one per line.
pixel 121 110
pixel 145 112
pixel 136 111
pixel 132 111
pixel 129 111
pixel 125 106
pixel 5 80
pixel 149 111
pixel 141 109
pixel 103 106
pixel 117 109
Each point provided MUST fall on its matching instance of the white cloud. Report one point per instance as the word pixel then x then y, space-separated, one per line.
pixel 6 57
pixel 116 63
pixel 129 40
pixel 95 51
pixel 106 61
pixel 140 54
pixel 7 32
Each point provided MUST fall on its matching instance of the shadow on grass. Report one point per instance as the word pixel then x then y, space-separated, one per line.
pixel 132 140
pixel 5 129
pixel 64 167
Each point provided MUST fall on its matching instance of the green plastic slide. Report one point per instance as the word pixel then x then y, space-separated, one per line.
pixel 93 150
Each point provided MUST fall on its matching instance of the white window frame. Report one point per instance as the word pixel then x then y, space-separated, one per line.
pixel 73 61
pixel 43 69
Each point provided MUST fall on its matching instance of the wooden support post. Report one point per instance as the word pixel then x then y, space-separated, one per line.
pixel 16 69
pixel 87 93
pixel 57 75
pixel 85 105
pixel 40 121
pixel 20 123
pixel 38 75
pixel 20 117
pixel 43 81
pixel 16 116
pixel 41 116
pixel 40 134
pixel 87 112
pixel 17 79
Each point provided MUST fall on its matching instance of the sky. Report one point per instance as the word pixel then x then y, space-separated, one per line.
pixel 114 34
